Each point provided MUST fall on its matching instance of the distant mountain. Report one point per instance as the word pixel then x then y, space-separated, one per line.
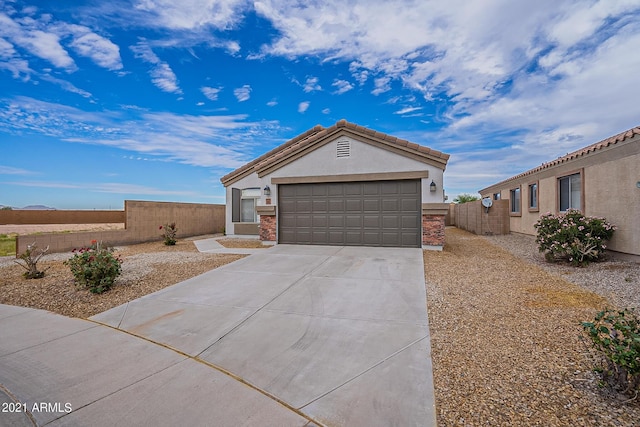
pixel 37 208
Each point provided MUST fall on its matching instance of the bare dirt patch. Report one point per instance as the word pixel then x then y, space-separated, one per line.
pixel 242 243
pixel 146 268
pixel 506 346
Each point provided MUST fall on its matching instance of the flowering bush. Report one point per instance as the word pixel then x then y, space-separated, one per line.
pixel 169 232
pixel 616 335
pixel 572 236
pixel 94 267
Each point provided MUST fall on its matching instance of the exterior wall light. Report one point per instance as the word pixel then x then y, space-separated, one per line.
pixel 267 191
pixel 432 186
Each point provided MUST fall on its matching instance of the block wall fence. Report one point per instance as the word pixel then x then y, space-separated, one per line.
pixel 142 220
pixel 61 217
pixel 473 217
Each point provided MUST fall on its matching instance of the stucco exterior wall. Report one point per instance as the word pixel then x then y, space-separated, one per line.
pixel 610 178
pixel 364 159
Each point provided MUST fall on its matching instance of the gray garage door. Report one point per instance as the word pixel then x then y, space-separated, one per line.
pixel 374 213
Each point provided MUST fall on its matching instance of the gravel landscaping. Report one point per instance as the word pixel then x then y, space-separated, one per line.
pixel 506 335
pixel 146 268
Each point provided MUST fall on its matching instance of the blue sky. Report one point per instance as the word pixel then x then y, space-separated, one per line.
pixel 157 99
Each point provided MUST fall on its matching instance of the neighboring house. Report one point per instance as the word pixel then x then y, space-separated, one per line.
pixel 601 180
pixel 341 185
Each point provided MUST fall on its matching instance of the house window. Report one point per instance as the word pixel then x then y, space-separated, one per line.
pixel 533 196
pixel 570 189
pixel 496 196
pixel 514 196
pixel 244 204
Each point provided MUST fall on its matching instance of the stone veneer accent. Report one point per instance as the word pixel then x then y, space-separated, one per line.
pixel 433 230
pixel 268 221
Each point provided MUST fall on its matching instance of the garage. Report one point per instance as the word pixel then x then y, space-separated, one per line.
pixel 342 185
pixel 370 213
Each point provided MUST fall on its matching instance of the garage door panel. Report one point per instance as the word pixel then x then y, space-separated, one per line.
pixel 336 221
pixel 353 189
pixel 353 221
pixel 320 221
pixel 336 205
pixel 335 189
pixel 391 221
pixel 371 221
pixel 320 205
pixel 375 213
pixel 336 237
pixel 410 222
pixel 390 205
pixel 353 238
pixel 389 187
pixel 370 188
pixel 371 205
pixel 353 205
pixel 409 187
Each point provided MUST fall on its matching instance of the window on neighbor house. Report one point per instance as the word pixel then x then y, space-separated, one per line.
pixel 514 196
pixel 243 204
pixel 496 196
pixel 570 189
pixel 533 196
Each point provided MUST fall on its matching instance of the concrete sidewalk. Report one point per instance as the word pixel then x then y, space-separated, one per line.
pixel 77 373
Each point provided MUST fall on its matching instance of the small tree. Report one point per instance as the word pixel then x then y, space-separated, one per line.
pixel 464 198
pixel 30 257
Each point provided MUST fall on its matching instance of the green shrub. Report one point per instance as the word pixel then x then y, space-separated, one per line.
pixel 95 267
pixel 573 237
pixel 616 334
pixel 169 232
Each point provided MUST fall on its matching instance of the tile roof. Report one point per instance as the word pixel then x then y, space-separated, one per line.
pixel 313 136
pixel 588 150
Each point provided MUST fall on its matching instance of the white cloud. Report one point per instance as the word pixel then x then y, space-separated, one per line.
pixel 326 111
pixel 211 92
pixel 101 50
pixel 311 84
pixel 161 73
pixel 191 14
pixel 303 106
pixel 65 85
pixel 382 85
pixel 408 110
pixel 242 93
pixel 43 44
pixel 9 60
pixel 10 170
pixel 341 86
pixel 272 103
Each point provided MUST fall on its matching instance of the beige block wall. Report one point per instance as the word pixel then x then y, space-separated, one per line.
pixel 142 223
pixel 60 217
pixel 473 217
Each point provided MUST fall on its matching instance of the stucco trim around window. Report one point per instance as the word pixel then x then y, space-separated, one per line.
pixel 515 201
pixel 533 196
pixel 568 183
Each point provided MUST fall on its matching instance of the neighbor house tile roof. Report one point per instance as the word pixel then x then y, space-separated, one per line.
pixel 588 150
pixel 307 140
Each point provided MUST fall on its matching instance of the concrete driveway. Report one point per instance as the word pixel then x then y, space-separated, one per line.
pixel 337 335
